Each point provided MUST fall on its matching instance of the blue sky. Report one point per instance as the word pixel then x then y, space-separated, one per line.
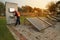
pixel 33 3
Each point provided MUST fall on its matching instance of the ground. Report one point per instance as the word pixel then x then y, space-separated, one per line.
pixel 27 32
pixel 30 33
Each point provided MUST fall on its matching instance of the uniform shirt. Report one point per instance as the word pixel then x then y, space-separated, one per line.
pixel 17 14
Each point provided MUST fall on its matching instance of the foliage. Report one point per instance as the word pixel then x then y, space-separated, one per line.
pixel 27 8
pixel 51 6
pixel 2 8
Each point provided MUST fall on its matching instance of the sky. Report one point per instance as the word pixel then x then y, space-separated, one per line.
pixel 33 3
pixel 2 1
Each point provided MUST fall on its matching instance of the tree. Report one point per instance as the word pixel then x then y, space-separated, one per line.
pixel 58 7
pixel 38 11
pixel 27 8
pixel 51 7
pixel 55 8
pixel 2 8
pixel 19 9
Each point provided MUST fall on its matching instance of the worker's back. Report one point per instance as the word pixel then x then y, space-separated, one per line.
pixel 17 14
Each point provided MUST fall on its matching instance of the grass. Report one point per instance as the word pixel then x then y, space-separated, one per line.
pixel 22 19
pixel 4 31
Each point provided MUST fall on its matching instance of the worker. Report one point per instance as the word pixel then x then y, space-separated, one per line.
pixel 17 14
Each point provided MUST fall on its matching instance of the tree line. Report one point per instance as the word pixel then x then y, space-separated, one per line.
pixel 2 8
pixel 51 7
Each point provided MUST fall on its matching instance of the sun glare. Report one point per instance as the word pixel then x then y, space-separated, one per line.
pixel 39 3
pixel 33 3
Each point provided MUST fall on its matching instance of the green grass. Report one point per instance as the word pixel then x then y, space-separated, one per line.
pixel 4 32
pixel 22 19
